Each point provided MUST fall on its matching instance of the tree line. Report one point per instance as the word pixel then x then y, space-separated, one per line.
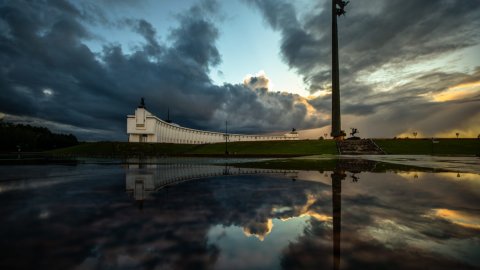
pixel 18 137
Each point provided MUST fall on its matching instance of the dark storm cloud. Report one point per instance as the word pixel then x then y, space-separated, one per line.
pixel 372 34
pixel 48 72
pixel 377 35
pixel 145 29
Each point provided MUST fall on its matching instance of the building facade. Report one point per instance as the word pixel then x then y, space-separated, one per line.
pixel 146 127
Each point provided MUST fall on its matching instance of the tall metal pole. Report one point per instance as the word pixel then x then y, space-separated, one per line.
pixel 336 121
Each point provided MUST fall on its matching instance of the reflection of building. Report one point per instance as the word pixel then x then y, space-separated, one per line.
pixel 146 127
pixel 142 179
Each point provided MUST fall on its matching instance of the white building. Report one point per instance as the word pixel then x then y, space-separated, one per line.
pixel 146 127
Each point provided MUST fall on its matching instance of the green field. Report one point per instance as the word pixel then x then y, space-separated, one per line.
pixel 279 148
pixel 460 147
pixel 467 147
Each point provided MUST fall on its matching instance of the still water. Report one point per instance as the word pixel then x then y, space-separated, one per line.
pixel 209 216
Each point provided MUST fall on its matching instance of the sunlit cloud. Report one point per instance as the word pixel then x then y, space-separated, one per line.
pixel 314 133
pixel 258 81
pixel 411 133
pixel 458 92
pixel 469 129
pixel 311 111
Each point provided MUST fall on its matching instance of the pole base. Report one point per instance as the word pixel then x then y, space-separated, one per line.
pixel 339 136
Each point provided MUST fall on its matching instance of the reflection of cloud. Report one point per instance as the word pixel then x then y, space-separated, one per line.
pixel 314 176
pixel 258 229
pixel 392 234
pixel 411 175
pixel 456 176
pixel 262 229
pixel 399 237
pixel 384 224
pixel 306 210
pixel 199 224
pixel 317 216
pixel 240 252
pixel 457 217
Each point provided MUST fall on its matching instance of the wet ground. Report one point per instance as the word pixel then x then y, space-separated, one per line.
pixel 447 163
pixel 180 214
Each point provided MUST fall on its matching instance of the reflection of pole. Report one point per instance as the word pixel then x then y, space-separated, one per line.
pixel 337 177
pixel 226 171
pixel 336 125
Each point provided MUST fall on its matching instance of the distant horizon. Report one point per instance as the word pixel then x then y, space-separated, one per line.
pixel 304 134
pixel 263 65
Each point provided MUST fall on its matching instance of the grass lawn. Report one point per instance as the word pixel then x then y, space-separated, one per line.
pixel 280 148
pixel 466 147
pixel 121 149
pixel 316 147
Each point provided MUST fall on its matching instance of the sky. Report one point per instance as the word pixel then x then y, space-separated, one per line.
pixel 263 65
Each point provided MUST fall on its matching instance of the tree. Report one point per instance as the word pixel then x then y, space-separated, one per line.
pixel 457 134
pixel 415 134
pixel 30 138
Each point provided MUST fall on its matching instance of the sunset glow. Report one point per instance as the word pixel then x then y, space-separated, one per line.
pixel 458 217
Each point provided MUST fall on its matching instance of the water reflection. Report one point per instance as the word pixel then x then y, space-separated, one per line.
pixel 337 176
pixel 376 220
pixel 303 207
pixel 143 179
pixel 198 216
